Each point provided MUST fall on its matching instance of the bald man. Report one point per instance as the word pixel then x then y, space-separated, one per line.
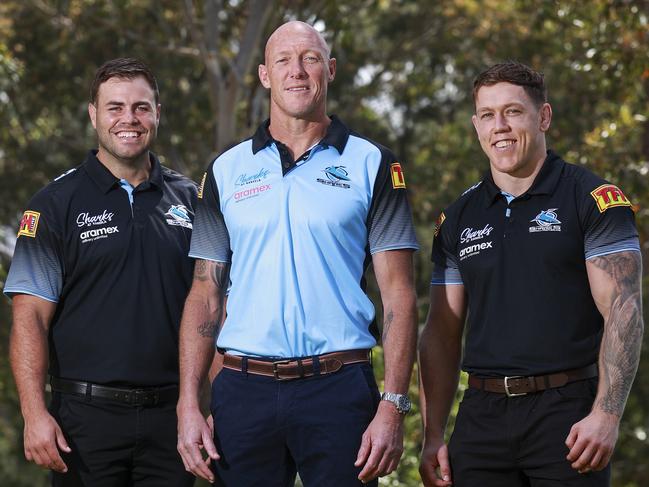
pixel 288 221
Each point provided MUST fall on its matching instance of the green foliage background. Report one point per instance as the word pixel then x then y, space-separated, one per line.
pixel 404 76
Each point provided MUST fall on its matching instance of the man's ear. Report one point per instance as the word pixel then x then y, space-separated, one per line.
pixel 262 71
pixel 332 69
pixel 546 117
pixel 92 112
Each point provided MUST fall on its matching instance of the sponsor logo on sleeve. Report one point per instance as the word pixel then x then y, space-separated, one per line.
pixel 179 216
pixel 608 196
pixel 438 224
pixel 336 175
pixel 546 221
pixel 29 224
pixel 202 186
pixel 398 179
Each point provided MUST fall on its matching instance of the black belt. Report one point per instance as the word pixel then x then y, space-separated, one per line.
pixel 150 396
pixel 520 386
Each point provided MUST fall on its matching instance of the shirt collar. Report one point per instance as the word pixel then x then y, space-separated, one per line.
pixel 106 180
pixel 336 136
pixel 544 183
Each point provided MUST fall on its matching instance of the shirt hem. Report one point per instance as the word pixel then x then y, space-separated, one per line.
pixel 404 246
pixel 203 257
pixel 10 292
pixel 615 251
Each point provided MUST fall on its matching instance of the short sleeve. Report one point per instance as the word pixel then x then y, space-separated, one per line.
pixel 445 267
pixel 37 264
pixel 609 222
pixel 389 220
pixel 210 238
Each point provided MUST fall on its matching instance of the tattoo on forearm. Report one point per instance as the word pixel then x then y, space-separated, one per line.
pixel 219 274
pixel 200 270
pixel 387 323
pixel 209 329
pixel 620 351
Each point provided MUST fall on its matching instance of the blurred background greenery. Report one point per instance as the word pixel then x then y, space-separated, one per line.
pixel 404 78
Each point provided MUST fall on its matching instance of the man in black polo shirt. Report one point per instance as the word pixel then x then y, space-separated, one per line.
pixel 98 281
pixel 542 258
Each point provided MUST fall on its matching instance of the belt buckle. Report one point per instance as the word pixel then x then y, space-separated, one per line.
pixel 512 394
pixel 142 397
pixel 276 369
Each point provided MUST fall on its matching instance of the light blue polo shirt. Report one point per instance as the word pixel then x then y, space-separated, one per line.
pixel 299 236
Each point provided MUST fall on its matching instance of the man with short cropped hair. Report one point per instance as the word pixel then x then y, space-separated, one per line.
pixel 542 259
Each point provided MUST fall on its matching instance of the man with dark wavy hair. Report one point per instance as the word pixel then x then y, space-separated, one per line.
pixel 98 280
pixel 541 258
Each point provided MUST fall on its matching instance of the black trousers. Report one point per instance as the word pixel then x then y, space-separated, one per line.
pixel 501 441
pixel 267 430
pixel 118 445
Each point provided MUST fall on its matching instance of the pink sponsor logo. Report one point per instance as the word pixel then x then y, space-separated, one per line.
pixel 250 192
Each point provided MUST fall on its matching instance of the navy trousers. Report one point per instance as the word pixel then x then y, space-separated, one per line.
pixel 267 430
pixel 118 445
pixel 520 441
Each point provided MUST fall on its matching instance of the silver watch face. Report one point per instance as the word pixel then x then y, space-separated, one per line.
pixel 401 401
pixel 404 404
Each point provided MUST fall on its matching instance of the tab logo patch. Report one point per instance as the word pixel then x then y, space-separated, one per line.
pixel 608 196
pixel 29 224
pixel 200 188
pixel 398 179
pixel 439 222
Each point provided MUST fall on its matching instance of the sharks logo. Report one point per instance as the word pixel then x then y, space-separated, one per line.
pixel 335 175
pixel 546 221
pixel 179 216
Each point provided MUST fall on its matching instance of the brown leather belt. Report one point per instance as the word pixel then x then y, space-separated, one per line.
pixel 297 368
pixel 520 386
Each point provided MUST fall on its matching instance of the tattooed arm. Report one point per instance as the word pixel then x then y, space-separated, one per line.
pixel 202 318
pixel 382 442
pixel 615 282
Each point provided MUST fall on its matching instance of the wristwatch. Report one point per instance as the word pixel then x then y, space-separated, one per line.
pixel 401 401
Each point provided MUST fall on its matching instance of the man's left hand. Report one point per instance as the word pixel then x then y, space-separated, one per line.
pixel 382 444
pixel 591 441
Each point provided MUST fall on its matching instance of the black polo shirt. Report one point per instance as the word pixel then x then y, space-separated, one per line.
pixel 523 266
pixel 119 272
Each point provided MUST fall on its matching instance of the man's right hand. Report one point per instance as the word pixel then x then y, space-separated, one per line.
pixel 42 437
pixel 434 455
pixel 195 434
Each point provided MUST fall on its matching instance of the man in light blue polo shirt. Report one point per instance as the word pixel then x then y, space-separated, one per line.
pixel 289 220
